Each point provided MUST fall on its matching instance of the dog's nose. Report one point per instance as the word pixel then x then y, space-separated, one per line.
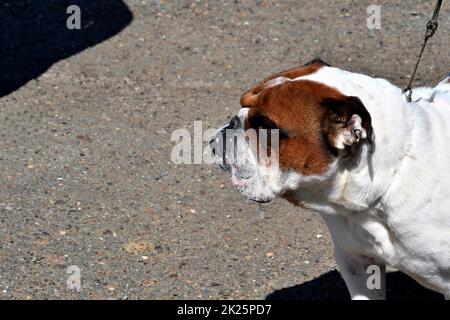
pixel 235 122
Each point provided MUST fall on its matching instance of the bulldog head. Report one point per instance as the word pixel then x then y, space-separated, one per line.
pixel 302 128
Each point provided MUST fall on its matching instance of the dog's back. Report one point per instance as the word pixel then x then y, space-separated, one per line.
pixel 441 92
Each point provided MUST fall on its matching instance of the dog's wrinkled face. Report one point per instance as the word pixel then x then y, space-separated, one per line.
pixel 309 126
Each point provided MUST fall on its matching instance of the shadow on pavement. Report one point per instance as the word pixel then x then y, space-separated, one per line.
pixel 34 34
pixel 331 286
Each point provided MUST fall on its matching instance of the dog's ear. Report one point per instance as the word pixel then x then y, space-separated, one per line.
pixel 346 122
pixel 317 61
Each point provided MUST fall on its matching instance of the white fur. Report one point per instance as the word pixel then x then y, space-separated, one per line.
pixel 393 207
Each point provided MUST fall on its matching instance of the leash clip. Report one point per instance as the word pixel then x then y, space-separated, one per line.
pixel 408 93
pixel 432 26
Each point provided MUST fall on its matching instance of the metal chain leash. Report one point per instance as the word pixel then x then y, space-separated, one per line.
pixel 432 26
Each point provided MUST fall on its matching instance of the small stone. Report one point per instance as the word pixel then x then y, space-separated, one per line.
pixel 318 236
pixel 215 284
pixel 138 247
pixel 269 254
pixel 144 258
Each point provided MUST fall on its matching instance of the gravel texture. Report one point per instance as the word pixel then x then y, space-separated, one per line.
pixel 86 119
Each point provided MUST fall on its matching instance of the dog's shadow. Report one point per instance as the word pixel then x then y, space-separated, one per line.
pixel 331 286
pixel 34 34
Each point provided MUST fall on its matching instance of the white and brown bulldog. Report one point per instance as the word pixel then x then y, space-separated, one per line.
pixel 351 148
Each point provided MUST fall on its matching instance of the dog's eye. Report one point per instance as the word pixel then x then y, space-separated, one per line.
pixel 259 122
pixel 341 120
pixel 262 122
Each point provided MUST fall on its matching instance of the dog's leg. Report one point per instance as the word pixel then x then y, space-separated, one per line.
pixel 365 279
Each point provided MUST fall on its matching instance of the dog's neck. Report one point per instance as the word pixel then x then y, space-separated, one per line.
pixel 352 188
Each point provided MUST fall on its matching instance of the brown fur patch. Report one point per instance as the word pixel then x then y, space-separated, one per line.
pixel 250 97
pixel 298 109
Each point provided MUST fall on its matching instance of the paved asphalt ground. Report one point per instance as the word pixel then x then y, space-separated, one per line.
pixel 86 119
